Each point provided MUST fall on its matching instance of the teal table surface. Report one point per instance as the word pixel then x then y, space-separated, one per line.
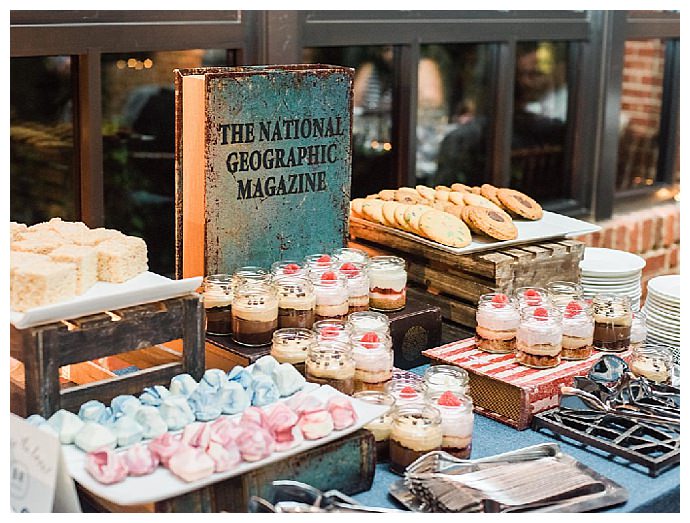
pixel 645 493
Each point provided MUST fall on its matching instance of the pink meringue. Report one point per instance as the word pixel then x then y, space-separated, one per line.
pixel 303 402
pixel 165 446
pixel 224 458
pixel 254 415
pixel 315 425
pixel 282 422
pixel 341 411
pixel 255 443
pixel 197 435
pixel 140 460
pixel 106 466
pixel 191 464
pixel 225 431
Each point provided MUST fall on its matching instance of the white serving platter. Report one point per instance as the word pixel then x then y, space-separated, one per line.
pixel 163 484
pixel 144 288
pixel 550 226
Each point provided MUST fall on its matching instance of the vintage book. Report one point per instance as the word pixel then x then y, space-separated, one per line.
pixel 263 164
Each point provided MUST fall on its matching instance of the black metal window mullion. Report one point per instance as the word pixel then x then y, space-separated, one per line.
pixel 670 109
pixel 501 132
pixel 406 59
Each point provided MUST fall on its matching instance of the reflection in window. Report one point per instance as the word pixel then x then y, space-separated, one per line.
pixel 539 120
pixel 372 154
pixel 42 174
pixel 452 104
pixel 139 145
pixel 638 147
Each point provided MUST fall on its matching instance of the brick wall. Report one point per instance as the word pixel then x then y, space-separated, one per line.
pixel 653 233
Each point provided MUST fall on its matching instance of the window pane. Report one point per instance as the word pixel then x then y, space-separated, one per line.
pixel 643 83
pixel 452 114
pixel 372 154
pixel 540 120
pixel 139 145
pixel 42 174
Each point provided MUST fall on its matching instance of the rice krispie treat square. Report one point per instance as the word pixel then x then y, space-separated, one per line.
pixel 41 244
pixel 16 229
pixel 91 237
pixel 41 283
pixel 86 261
pixel 121 259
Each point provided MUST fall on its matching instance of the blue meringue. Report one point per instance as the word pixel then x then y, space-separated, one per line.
pixel 124 405
pixel 94 410
pixel 36 420
pixel 95 436
pixel 204 405
pixel 67 424
pixel 232 398
pixel 241 376
pixel 288 379
pixel 265 365
pixel 153 396
pixel 214 378
pixel 176 412
pixel 183 384
pixel 127 431
pixel 151 421
pixel 265 390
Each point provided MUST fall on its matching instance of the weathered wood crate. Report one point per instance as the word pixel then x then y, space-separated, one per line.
pixel 455 282
pixel 44 349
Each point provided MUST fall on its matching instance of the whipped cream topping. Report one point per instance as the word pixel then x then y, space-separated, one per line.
pixel 387 278
pixel 217 300
pixel 261 308
pixel 533 331
pixel 416 432
pixel 380 427
pixel 580 326
pixel 505 318
pixel 358 286
pixel 377 359
pixel 456 421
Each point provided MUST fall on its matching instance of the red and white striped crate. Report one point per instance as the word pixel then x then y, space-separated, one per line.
pixel 503 389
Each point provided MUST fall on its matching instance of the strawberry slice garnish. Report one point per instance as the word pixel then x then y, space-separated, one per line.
pixel 408 392
pixel 291 268
pixel 572 309
pixel 370 340
pixel 541 313
pixel 448 399
pixel 330 332
pixel 329 276
pixel 349 269
pixel 532 296
pixel 324 259
pixel 499 300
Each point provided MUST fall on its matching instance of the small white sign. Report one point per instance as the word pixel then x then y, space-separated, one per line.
pixel 39 481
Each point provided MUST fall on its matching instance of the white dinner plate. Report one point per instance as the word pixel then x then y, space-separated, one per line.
pixel 667 287
pixel 599 261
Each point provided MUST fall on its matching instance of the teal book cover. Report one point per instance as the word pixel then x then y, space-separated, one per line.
pixel 263 164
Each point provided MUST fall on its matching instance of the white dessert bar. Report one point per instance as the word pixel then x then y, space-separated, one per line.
pixel 41 283
pixel 44 244
pixel 86 261
pixel 16 229
pixel 121 259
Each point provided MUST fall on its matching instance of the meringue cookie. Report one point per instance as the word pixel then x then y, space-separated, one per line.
pixel 214 378
pixel 151 421
pixel 66 424
pixel 176 412
pixel 265 390
pixel 342 412
pixel 191 464
pixel 232 398
pixel 282 422
pixel 254 415
pixel 204 404
pixel 315 425
pixel 183 384
pixel 288 379
pixel 106 466
pixel 153 396
pixel 94 410
pixel 255 443
pixel 241 376
pixel 125 405
pixel 197 435
pixel 264 365
pixel 139 460
pixel 127 431
pixel 165 446
pixel 36 420
pixel 303 402
pixel 95 436
pixel 224 458
pixel 225 431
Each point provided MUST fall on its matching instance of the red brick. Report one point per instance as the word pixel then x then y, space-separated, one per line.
pixel 658 230
pixel 656 262
pixel 622 237
pixel 607 236
pixel 647 236
pixel 634 237
pixel 595 239
pixel 673 256
pixel 669 228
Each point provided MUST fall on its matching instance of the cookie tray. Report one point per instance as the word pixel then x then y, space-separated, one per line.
pixel 551 225
pixel 143 288
pixel 163 484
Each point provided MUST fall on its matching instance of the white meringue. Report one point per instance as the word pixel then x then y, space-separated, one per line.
pixel 94 436
pixel 66 424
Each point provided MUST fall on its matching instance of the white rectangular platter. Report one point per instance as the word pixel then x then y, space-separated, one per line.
pixel 550 226
pixel 144 288
pixel 163 484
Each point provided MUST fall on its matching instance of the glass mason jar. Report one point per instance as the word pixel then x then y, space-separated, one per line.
pixel 387 283
pixel 531 296
pixel 578 330
pixel 539 337
pixel 320 262
pixel 369 321
pixel 296 302
pixel 218 304
pixel 288 268
pixel 406 390
pixel 416 430
pixel 250 274
pixel 638 329
pixel 457 422
pixel 332 330
pixel 292 345
pixel 331 363
pixel 497 323
pixel 357 285
pixel 612 322
pixel 332 297
pixel 254 314
pixel 563 292
pixel 654 362
pixel 381 426
pixel 373 355
pixel 442 378
pixel 350 254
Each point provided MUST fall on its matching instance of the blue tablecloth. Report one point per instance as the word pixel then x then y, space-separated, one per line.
pixel 645 494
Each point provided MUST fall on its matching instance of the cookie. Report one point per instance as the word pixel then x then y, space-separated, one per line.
pixel 372 197
pixel 400 217
pixel 442 196
pixel 412 215
pixel 497 224
pixel 388 212
pixel 457 198
pixel 479 201
pixel 426 192
pixel 356 207
pixel 442 188
pixel 520 204
pixel 460 187
pixel 373 211
pixel 387 195
pixel 476 190
pixel 455 210
pixel 464 216
pixel 407 195
pixel 444 228
pixel 488 191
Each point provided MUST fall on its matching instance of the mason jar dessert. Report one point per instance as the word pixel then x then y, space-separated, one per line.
pixel 250 274
pixel 387 283
pixel 638 330
pixel 350 254
pixel 654 362
pixel 369 321
pixel 531 297
pixel 539 337
pixel 406 390
pixel 457 422
pixel 442 378
pixel 292 345
pixel 332 330
pixel 218 304
pixel 381 426
pixel 296 302
pixel 373 355
pixel 578 331
pixel 317 263
pixel 332 299
pixel 254 314
pixel 288 268
pixel 357 286
pixel 331 363
pixel 612 322
pixel 497 323
pixel 416 430
pixel 563 292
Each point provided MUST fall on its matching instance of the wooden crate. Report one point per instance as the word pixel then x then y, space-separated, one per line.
pixel 44 349
pixel 455 282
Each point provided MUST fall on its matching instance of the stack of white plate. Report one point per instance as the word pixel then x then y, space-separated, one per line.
pixel 662 308
pixel 608 271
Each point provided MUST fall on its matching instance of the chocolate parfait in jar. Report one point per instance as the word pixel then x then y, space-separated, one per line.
pixel 497 323
pixel 296 302
pixel 331 363
pixel 381 426
pixel 457 422
pixel 218 304
pixel 387 283
pixel 332 298
pixel 254 314
pixel 357 286
pixel 373 354
pixel 612 322
pixel 416 430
